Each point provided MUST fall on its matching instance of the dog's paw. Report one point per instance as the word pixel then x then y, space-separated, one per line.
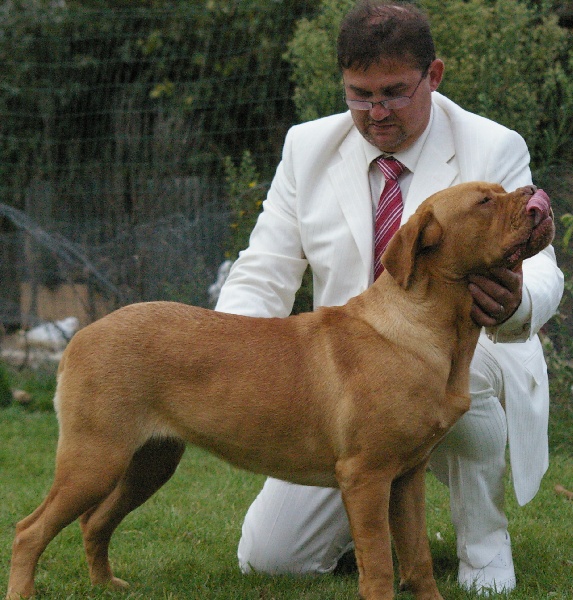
pixel 429 592
pixel 116 583
pixel 17 596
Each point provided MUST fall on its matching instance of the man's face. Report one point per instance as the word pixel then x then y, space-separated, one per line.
pixel 397 129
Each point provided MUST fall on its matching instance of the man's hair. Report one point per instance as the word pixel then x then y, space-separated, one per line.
pixel 378 29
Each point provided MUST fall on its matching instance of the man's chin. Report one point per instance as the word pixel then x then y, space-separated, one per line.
pixel 388 138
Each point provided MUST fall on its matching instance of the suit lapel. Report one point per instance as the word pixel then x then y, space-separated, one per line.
pixel 436 168
pixel 349 179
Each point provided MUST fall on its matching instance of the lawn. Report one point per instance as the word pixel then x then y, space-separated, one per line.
pixel 182 543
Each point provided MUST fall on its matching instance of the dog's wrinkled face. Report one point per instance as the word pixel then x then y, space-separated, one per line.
pixel 471 228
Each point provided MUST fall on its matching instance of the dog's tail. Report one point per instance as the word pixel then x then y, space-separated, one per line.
pixel 61 368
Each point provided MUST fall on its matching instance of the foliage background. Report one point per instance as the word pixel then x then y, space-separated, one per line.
pixel 115 120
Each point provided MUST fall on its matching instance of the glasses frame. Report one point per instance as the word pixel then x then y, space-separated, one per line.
pixel 391 103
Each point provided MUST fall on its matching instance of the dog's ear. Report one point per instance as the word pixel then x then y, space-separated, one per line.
pixel 421 232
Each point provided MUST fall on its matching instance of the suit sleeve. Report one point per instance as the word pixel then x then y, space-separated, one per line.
pixel 542 279
pixel 264 279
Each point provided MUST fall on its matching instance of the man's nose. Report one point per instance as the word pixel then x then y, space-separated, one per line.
pixel 379 112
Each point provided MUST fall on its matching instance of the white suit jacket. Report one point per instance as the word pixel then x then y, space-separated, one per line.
pixel 319 212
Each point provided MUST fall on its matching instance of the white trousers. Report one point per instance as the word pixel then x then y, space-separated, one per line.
pixel 300 529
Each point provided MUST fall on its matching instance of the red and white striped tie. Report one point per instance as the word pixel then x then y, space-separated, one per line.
pixel 389 211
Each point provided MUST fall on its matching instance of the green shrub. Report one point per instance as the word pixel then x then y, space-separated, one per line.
pixel 511 62
pixel 5 390
pixel 41 385
pixel 312 54
pixel 567 220
pixel 246 195
pixel 172 85
pixel 558 345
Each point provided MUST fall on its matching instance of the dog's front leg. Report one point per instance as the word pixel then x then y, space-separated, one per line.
pixel 366 495
pixel 408 526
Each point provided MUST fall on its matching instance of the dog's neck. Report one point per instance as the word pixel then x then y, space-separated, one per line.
pixel 422 303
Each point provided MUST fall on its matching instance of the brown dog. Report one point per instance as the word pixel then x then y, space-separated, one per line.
pixel 317 399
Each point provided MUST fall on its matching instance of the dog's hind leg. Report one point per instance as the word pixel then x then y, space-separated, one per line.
pixel 78 485
pixel 151 466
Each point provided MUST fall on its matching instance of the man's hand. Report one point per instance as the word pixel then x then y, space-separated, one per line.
pixel 496 297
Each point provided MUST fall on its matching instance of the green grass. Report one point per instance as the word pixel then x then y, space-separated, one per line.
pixel 182 543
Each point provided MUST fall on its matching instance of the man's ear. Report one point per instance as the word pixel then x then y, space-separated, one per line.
pixel 420 232
pixel 436 73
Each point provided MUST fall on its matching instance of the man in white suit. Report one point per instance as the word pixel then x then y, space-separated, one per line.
pixel 320 212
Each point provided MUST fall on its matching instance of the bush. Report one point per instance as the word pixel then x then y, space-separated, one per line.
pixel 511 62
pixel 567 221
pixel 5 390
pixel 246 195
pixel 153 89
pixel 312 54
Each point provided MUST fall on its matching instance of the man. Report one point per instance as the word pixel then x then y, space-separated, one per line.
pixel 321 210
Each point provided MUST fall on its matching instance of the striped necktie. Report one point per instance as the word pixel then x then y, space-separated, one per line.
pixel 389 210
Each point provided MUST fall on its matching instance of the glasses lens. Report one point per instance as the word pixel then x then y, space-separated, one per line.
pixel 400 102
pixel 391 104
pixel 359 104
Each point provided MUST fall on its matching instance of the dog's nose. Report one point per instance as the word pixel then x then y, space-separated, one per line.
pixel 529 189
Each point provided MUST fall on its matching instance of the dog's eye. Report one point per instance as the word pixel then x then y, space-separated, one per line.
pixel 484 200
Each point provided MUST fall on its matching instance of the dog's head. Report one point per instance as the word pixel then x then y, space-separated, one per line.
pixel 470 228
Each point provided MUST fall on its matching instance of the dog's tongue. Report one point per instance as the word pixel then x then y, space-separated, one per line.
pixel 540 205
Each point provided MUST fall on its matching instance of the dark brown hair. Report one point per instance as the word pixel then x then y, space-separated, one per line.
pixel 376 29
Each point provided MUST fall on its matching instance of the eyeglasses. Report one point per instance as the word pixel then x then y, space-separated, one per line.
pixel 390 104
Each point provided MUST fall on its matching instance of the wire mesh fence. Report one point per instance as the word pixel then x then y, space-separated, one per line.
pixel 113 129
